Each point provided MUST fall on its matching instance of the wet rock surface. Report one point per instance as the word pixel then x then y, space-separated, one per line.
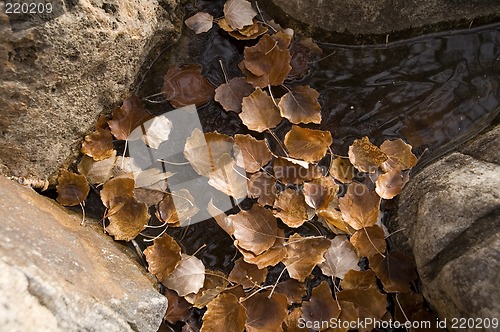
pixel 58 275
pixel 59 73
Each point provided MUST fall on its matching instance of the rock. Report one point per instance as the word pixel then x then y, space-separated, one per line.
pixel 58 275
pixel 58 75
pixel 340 20
pixel 449 216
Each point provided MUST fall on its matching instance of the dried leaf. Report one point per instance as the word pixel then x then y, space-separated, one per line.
pixel 214 284
pixel 220 217
pixel 307 144
pixel 254 230
pixel 293 320
pixel 163 256
pixel 185 85
pixel 365 156
pixel 408 304
pixel 263 186
pixel 246 33
pixel 342 170
pixel 230 95
pixel 265 313
pixel 389 184
pixel 301 105
pixel 247 275
pixel 72 189
pixel 292 289
pixel 340 258
pixel 200 22
pixel 229 178
pixel 291 173
pixel 399 155
pixel 127 117
pixel 303 254
pixel 188 276
pixel 250 153
pixel 127 222
pixel 301 56
pixel 177 208
pixel 320 308
pixel 270 257
pixel 395 270
pixel 177 309
pixel 98 145
pixel 359 280
pixel 291 208
pixel 224 313
pixel 320 193
pixel 156 131
pixel 334 221
pixel 370 299
pixel 259 112
pixel 116 187
pixel 239 13
pixel 359 206
pixel 97 172
pixel 369 241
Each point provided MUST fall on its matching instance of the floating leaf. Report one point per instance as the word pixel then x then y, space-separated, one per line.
pixel 370 299
pixel 340 258
pixel 184 85
pixel 254 230
pixel 127 117
pixel 163 256
pixel 98 145
pixel 265 313
pixel 247 275
pixel 301 105
pixel 239 13
pixel 369 241
pixel 72 189
pixel 220 217
pixel 342 170
pixel 200 22
pixel 188 276
pixel 399 155
pixel 250 153
pixel 177 208
pixel 291 208
pixel 365 156
pixel 307 144
pixel 289 172
pixel 293 290
pixel 230 95
pixel 395 270
pixel 320 193
pixel 359 206
pixel 259 112
pixel 270 257
pixel 389 184
pixel 321 307
pixel 262 186
pixel 177 309
pixel 303 254
pixel 224 313
pixel 228 178
pixel 359 279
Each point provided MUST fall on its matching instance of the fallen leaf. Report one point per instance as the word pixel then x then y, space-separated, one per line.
pixel 359 206
pixel 220 217
pixel 229 178
pixel 151 178
pixel 334 221
pixel 156 131
pixel 290 207
pixel 239 13
pixel 365 156
pixel 98 145
pixel 340 258
pixel 370 299
pixel 97 172
pixel 320 193
pixel 293 290
pixel 215 283
pixel 265 313
pixel 342 170
pixel 359 280
pixel 250 153
pixel 127 117
pixel 254 230
pixel 247 275
pixel 263 186
pixel 259 112
pixel 293 320
pixel 389 184
pixel 163 256
pixel 291 173
pixel 270 257
pixel 185 85
pixel 395 270
pixel 303 254
pixel 408 304
pixel 307 144
pixel 246 33
pixel 321 307
pixel 72 189
pixel 129 220
pixel 200 22
pixel 301 56
pixel 188 276
pixel 117 187
pixel 177 309
pixel 177 208
pixel 224 313
pixel 230 95
pixel 399 155
pixel 369 241
pixel 300 105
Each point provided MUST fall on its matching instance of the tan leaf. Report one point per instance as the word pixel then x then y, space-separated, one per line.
pixel 131 218
pixel 259 112
pixel 97 172
pixel 127 117
pixel 395 270
pixel 359 206
pixel 301 105
pixel 293 290
pixel 156 131
pixel 246 33
pixel 239 13
pixel 399 155
pixel 188 276
pixel 262 186
pixel 265 313
pixel 340 258
pixel 365 156
pixel 185 85
pixel 177 309
pixel 303 254
pixel 229 178
pixel 72 189
pixel 320 193
pixel 116 187
pixel 307 144
pixel 389 184
pixel 291 208
pixel 220 217
pixel 98 145
pixel 334 221
pixel 321 307
pixel 359 280
pixel 214 284
pixel 230 95
pixel 291 173
pixel 250 153
pixel 177 208
pixel 342 170
pixel 247 275
pixel 254 230
pixel 293 321
pixel 200 22
pixel 370 299
pixel 270 257
pixel 163 256
pixel 369 241
pixel 224 313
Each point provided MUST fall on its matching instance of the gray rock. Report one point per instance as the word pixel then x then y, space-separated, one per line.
pixel 58 75
pixel 449 217
pixel 58 275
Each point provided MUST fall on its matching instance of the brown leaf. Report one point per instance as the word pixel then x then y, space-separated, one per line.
pixel 98 145
pixel 200 22
pixel 97 172
pixel 214 284
pixel 340 258
pixel 369 241
pixel 187 277
pixel 320 193
pixel 163 256
pixel 293 290
pixel 303 254
pixel 177 208
pixel 291 173
pixel 247 275
pixel 246 33
pixel 359 280
pixel 359 206
pixel 224 313
pixel 301 55
pixel 265 313
pixel 365 156
pixel 270 257
pixel 301 105
pixel 321 307
pixel 291 208
pixel 293 320
pixel 307 144
pixel 389 184
pixel 408 304
pixel 228 178
pixel 185 85
pixel 263 187
pixel 395 270
pixel 399 155
pixel 177 309
pixel 342 170
pixel 259 112
pixel 230 95
pixel 370 299
pixel 72 189
pixel 239 13
pixel 250 153
pixel 220 217
pixel 254 230
pixel 334 221
pixel 127 117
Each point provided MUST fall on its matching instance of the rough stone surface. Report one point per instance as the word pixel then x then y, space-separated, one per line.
pixel 449 217
pixel 58 75
pixel 58 275
pixel 379 17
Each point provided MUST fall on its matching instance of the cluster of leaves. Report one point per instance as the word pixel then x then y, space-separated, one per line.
pixel 286 184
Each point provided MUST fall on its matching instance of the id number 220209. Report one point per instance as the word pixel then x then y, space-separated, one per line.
pixel 28 8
